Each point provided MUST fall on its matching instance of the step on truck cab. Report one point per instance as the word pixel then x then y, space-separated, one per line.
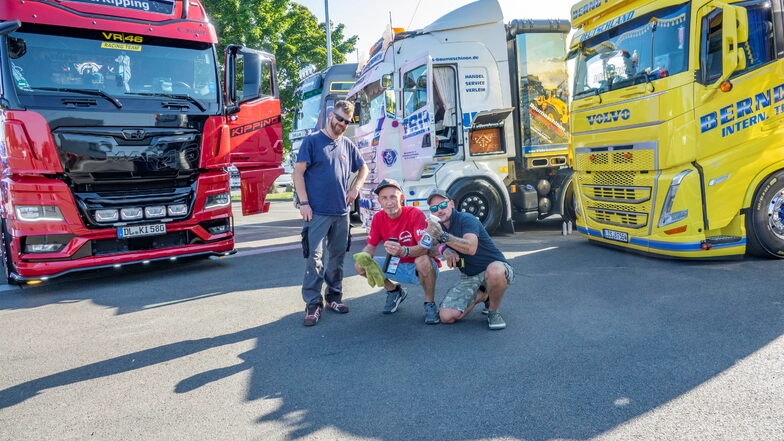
pixel 115 132
pixel 678 126
pixel 469 104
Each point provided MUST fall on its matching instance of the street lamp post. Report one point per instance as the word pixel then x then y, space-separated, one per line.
pixel 329 34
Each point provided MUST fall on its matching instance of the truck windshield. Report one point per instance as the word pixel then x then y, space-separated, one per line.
pixel 308 113
pixel 645 49
pixel 44 62
pixel 375 102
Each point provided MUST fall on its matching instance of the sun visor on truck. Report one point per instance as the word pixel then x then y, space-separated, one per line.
pixel 490 118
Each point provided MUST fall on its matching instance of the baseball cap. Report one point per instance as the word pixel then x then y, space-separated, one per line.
pixel 388 182
pixel 438 192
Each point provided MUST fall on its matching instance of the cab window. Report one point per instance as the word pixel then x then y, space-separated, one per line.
pixel 414 90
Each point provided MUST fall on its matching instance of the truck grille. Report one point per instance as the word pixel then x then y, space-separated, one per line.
pixel 618 198
pixel 90 202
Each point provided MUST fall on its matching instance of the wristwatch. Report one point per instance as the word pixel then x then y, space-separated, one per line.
pixel 304 203
pixel 444 237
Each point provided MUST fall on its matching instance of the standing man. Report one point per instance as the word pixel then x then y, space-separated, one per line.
pixel 401 229
pixel 466 245
pixel 321 177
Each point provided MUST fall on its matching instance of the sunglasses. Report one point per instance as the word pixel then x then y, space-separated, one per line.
pixel 341 119
pixel 441 206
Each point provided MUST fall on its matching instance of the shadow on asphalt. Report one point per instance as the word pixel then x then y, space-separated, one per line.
pixel 582 354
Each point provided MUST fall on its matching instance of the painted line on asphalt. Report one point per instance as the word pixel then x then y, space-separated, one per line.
pixel 514 254
pixel 174 302
pixel 273 249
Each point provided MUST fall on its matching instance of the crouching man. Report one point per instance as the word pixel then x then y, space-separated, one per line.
pixel 401 230
pixel 466 245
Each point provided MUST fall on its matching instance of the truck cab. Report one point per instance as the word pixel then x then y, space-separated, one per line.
pixel 676 116
pixel 454 106
pixel 115 132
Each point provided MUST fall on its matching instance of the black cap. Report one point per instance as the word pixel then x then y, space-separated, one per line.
pixel 438 192
pixel 388 182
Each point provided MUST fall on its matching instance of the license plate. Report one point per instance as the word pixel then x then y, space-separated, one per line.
pixel 141 230
pixel 618 236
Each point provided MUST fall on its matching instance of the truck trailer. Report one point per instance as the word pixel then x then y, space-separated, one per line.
pixel 115 132
pixel 468 104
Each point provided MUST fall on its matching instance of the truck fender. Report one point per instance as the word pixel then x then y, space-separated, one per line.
pixel 758 180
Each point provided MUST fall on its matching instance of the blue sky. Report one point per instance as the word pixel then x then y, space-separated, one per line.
pixel 367 19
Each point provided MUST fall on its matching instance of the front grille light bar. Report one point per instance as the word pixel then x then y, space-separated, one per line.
pixel 103 216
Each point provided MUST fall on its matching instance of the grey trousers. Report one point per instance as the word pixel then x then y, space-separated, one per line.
pixel 334 231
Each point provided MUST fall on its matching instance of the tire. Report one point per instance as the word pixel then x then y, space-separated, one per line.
pixel 480 198
pixel 765 219
pixel 568 201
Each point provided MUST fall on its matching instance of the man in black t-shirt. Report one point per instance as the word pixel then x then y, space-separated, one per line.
pixel 466 245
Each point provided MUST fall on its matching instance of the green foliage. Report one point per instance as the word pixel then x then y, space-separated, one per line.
pixel 284 28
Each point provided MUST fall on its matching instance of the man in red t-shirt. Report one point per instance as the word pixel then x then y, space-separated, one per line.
pixel 401 229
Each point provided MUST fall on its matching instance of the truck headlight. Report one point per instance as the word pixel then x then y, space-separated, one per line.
pixel 667 217
pixel 38 213
pixel 217 200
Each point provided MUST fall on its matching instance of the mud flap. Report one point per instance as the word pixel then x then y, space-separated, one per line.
pixel 254 183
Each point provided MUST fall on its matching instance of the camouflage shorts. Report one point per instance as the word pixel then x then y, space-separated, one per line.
pixel 461 295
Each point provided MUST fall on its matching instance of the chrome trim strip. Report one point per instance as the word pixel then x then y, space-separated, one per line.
pixel 633 126
pixel 621 102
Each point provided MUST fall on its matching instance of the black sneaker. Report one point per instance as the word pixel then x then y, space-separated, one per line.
pixel 338 307
pixel 312 315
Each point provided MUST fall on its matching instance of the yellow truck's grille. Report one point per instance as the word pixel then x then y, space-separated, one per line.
pixel 617 160
pixel 621 198
pixel 632 195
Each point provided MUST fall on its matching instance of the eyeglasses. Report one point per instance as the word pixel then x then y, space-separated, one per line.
pixel 341 119
pixel 441 206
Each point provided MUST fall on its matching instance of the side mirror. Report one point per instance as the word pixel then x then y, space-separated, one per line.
pixel 7 27
pixel 422 82
pixel 735 31
pixel 386 81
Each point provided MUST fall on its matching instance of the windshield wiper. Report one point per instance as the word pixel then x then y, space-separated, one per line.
pixel 172 95
pixel 95 92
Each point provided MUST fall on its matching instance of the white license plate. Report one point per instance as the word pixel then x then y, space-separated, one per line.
pixel 141 230
pixel 618 236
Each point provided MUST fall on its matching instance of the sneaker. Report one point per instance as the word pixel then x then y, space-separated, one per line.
pixel 338 307
pixel 431 314
pixel 495 321
pixel 487 307
pixel 312 315
pixel 394 298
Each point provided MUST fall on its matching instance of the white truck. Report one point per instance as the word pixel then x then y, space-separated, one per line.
pixel 469 104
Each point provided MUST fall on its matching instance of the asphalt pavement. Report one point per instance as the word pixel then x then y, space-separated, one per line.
pixel 600 345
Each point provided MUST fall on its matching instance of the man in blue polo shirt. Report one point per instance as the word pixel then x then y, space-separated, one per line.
pixel 321 176
pixel 466 245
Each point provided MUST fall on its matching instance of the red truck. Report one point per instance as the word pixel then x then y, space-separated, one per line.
pixel 115 132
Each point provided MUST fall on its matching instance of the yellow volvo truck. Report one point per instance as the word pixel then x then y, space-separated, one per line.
pixel 678 126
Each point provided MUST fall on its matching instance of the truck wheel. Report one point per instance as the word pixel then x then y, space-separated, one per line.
pixel 481 199
pixel 568 212
pixel 765 221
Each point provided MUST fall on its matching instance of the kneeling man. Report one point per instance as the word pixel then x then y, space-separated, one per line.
pixel 467 246
pixel 401 229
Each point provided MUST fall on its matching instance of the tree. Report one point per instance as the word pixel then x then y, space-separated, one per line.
pixel 284 28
